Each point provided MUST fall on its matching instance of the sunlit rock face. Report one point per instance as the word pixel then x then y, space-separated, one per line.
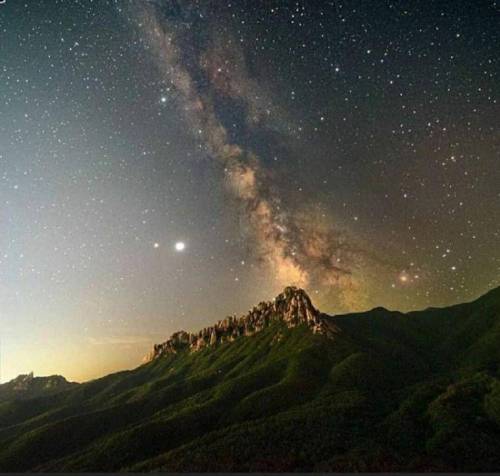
pixel 293 307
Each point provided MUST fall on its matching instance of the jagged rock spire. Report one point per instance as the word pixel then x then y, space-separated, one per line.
pixel 293 307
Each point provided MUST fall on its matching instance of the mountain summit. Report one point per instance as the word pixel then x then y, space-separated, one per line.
pixel 292 307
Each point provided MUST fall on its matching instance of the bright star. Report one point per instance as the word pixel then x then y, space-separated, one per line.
pixel 180 246
pixel 404 278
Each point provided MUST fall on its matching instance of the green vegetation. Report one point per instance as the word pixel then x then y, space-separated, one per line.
pixel 390 392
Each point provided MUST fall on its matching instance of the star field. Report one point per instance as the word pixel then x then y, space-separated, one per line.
pixel 166 163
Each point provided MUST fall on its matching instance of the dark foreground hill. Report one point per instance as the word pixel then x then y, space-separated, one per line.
pixel 286 388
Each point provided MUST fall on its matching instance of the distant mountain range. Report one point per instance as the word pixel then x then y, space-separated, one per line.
pixel 284 388
pixel 27 386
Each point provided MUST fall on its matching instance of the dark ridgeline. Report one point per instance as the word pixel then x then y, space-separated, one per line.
pixel 282 388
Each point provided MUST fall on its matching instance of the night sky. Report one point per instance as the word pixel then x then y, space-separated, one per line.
pixel 166 163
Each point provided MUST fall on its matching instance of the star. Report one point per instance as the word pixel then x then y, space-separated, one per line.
pixel 180 246
pixel 404 278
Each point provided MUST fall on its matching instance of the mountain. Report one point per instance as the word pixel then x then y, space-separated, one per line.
pixel 284 388
pixel 27 386
pixel 292 307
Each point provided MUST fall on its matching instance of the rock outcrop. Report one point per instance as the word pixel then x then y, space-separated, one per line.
pixel 293 307
pixel 29 386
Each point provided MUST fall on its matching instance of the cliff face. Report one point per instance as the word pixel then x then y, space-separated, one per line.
pixel 293 307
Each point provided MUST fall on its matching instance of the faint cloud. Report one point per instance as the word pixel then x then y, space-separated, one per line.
pixel 119 340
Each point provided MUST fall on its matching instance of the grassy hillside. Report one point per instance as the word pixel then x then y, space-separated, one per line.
pixel 390 391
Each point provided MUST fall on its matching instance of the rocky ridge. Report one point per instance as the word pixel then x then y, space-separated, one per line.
pixel 28 386
pixel 293 307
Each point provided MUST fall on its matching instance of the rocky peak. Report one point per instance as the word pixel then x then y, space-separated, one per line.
pixel 27 386
pixel 22 382
pixel 293 307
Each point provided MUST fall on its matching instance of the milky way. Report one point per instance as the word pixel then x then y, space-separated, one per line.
pixel 293 244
